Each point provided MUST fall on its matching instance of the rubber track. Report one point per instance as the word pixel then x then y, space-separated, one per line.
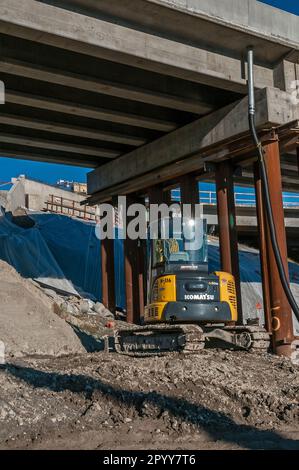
pixel 159 340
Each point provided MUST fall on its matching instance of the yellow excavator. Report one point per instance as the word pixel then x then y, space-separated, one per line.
pixel 187 308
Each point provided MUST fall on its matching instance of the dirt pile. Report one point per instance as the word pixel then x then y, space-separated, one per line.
pixel 217 399
pixel 28 324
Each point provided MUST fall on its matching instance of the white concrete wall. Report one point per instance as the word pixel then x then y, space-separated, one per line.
pixel 38 194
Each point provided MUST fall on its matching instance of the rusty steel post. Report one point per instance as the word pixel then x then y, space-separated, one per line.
pixel 281 313
pixel 108 278
pixel 228 237
pixel 130 265
pixel 262 227
pixel 156 195
pixel 141 275
pixel 189 191
pixel 167 197
pixel 134 273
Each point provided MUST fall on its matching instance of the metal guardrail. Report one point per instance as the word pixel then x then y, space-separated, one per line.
pixel 242 198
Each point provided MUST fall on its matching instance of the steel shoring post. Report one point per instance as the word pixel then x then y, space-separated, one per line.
pixel 281 313
pixel 228 237
pixel 261 221
pixel 167 196
pixel 189 191
pixel 108 278
pixel 134 275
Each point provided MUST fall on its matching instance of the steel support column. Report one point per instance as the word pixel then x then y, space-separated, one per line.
pixel 262 227
pixel 282 322
pixel 134 273
pixel 108 277
pixel 228 238
pixel 156 195
pixel 297 150
pixel 189 191
pixel 167 197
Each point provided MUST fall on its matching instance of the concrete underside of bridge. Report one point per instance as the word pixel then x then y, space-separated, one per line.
pixel 151 94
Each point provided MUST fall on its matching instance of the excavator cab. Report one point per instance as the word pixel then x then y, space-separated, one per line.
pixel 180 287
pixel 188 308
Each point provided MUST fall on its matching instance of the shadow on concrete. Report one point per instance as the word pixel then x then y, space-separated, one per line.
pixel 217 424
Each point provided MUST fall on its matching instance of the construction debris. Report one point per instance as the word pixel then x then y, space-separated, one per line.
pixel 214 400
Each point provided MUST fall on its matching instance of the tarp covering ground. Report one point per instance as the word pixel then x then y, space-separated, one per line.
pixel 65 253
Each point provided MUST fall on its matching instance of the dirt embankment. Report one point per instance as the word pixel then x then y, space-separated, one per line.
pixel 28 324
pixel 215 400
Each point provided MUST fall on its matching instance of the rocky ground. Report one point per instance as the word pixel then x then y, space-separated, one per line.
pixel 214 400
pixel 60 388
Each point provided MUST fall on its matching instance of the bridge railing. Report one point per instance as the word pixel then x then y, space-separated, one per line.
pixel 242 198
pixel 247 199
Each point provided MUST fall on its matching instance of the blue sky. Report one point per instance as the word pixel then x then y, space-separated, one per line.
pixel 48 172
pixel 288 5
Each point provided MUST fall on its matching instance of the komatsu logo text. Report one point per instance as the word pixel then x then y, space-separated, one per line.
pixel 199 297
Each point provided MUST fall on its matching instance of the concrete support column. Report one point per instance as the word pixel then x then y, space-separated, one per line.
pixel 134 273
pixel 228 238
pixel 108 277
pixel 282 322
pixel 262 228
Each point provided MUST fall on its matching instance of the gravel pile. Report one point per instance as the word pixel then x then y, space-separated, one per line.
pixel 28 324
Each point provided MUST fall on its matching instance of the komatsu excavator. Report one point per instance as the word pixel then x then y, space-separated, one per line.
pixel 187 308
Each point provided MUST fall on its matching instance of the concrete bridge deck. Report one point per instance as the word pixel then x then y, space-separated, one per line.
pixel 88 81
pixel 152 95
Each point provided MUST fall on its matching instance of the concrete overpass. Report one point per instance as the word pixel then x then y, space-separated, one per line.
pixel 88 81
pixel 152 95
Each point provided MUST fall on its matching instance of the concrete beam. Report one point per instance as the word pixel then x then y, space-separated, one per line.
pixel 246 16
pixel 226 124
pixel 50 158
pixel 105 87
pixel 285 76
pixel 92 112
pixel 60 146
pixel 67 129
pixel 61 28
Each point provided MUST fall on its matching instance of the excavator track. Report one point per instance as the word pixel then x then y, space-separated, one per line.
pixel 157 340
pixel 260 338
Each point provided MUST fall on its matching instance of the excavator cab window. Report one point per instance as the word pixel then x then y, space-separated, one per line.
pixel 181 242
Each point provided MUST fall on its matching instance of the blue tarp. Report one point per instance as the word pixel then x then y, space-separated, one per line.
pixel 65 253
pixel 61 252
pixel 75 248
pixel 27 251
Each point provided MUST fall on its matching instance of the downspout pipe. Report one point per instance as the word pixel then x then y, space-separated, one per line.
pixel 265 185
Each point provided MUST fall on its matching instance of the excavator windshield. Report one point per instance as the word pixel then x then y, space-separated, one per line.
pixel 181 241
